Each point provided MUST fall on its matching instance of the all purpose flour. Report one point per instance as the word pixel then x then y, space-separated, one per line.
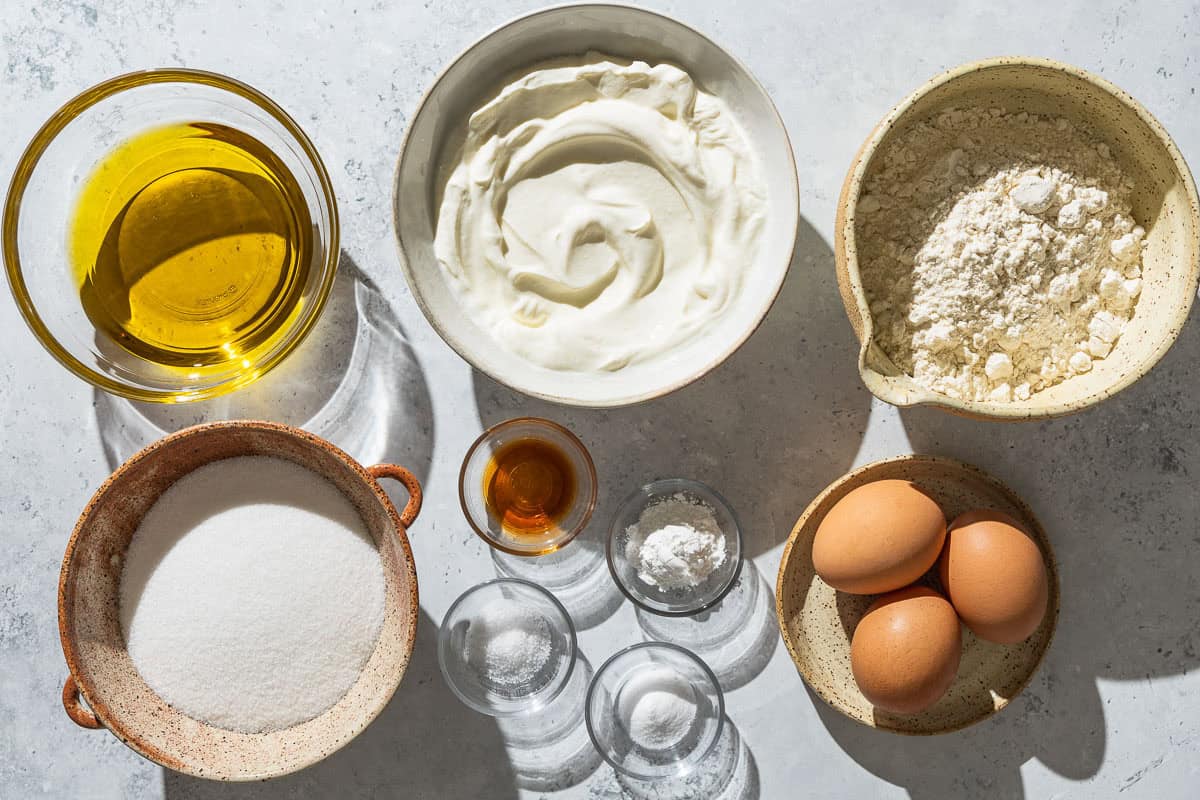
pixel 999 254
pixel 251 595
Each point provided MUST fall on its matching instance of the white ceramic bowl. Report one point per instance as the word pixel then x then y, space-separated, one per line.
pixel 435 137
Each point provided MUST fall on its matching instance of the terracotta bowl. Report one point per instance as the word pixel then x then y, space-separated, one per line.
pixel 817 621
pixel 1165 204
pixel 102 673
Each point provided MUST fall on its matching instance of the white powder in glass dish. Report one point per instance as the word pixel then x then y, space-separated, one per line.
pixel 251 594
pixel 509 645
pixel 658 708
pixel 676 543
pixel 998 251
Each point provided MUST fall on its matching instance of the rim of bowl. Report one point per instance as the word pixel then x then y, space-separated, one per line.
pixel 845 235
pixel 587 459
pixel 112 721
pixel 1039 535
pixel 496 375
pixel 608 662
pixel 650 488
pixel 443 634
pixel 46 134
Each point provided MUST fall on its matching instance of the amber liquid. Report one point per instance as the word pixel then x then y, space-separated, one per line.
pixel 191 246
pixel 530 485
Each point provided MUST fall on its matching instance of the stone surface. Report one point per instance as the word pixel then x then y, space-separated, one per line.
pixel 1114 711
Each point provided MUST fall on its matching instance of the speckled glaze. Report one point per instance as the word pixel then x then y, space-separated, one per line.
pixel 101 671
pixel 816 621
pixel 1165 203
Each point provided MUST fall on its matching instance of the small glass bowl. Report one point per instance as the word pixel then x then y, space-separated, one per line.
pixel 673 602
pixel 42 197
pixel 610 706
pixel 489 527
pixel 468 676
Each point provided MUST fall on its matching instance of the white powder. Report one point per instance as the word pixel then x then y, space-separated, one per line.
pixel 999 255
pixel 251 595
pixel 509 646
pixel 659 708
pixel 676 544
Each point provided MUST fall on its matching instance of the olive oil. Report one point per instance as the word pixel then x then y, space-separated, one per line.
pixel 191 245
pixel 530 485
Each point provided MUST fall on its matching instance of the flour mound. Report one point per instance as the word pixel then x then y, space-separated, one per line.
pixel 999 253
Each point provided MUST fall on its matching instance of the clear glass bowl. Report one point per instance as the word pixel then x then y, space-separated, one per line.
pixel 42 196
pixel 673 602
pixel 488 525
pixel 615 699
pixel 485 647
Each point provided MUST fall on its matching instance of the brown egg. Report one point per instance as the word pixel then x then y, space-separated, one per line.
pixel 994 574
pixel 879 537
pixel 905 650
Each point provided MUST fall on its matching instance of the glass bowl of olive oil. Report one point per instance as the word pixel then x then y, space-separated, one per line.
pixel 527 486
pixel 170 235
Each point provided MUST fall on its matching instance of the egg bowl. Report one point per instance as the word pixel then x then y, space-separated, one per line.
pixel 1164 202
pixel 817 622
pixel 434 140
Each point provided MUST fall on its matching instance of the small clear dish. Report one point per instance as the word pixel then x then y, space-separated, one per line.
pixel 507 647
pixel 654 711
pixel 490 527
pixel 673 602
pixel 45 189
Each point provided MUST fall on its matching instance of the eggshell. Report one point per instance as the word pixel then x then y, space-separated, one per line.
pixel 905 650
pixel 995 576
pixel 879 537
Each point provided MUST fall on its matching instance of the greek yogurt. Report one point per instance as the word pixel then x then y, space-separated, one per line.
pixel 600 214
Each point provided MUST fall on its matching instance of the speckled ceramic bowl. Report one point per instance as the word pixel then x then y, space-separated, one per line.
pixel 102 673
pixel 435 137
pixel 817 622
pixel 1164 202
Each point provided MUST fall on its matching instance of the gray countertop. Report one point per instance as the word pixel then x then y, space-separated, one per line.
pixel 1115 708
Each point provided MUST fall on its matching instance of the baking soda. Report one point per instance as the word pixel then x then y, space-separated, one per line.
pixel 251 595
pixel 658 707
pixel 676 544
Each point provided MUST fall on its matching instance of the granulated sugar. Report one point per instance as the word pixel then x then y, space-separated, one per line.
pixel 509 646
pixel 252 594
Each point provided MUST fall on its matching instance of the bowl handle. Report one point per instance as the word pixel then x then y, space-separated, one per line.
pixel 81 716
pixel 413 507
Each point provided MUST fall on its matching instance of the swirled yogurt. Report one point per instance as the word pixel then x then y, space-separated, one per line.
pixel 600 214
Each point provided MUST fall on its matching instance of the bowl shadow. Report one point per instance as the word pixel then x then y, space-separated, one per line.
pixel 576 575
pixel 1114 487
pixel 354 381
pixel 396 755
pixel 730 773
pixel 1058 719
pixel 736 638
pixel 560 756
pixel 768 428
